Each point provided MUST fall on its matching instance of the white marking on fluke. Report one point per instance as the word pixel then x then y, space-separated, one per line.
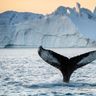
pixel 88 59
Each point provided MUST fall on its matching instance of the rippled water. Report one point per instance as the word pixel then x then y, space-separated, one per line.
pixel 24 73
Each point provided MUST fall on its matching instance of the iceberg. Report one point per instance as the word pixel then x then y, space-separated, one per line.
pixel 65 27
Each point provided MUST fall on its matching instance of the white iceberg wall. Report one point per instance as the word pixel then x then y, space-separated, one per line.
pixel 51 31
pixel 66 41
pixel 59 29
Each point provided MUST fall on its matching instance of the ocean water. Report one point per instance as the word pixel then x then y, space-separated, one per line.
pixel 24 73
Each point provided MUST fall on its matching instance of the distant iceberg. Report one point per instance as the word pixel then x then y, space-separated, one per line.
pixel 65 27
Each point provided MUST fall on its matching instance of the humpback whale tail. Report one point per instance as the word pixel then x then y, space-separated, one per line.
pixel 66 65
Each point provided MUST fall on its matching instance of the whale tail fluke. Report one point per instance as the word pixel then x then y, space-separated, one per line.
pixel 83 59
pixel 64 64
pixel 51 57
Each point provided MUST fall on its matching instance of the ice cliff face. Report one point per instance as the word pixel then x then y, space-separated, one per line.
pixel 65 27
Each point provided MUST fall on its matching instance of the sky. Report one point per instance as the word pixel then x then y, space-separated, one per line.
pixel 42 6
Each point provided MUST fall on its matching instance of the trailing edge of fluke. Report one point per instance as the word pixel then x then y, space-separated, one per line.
pixel 66 65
